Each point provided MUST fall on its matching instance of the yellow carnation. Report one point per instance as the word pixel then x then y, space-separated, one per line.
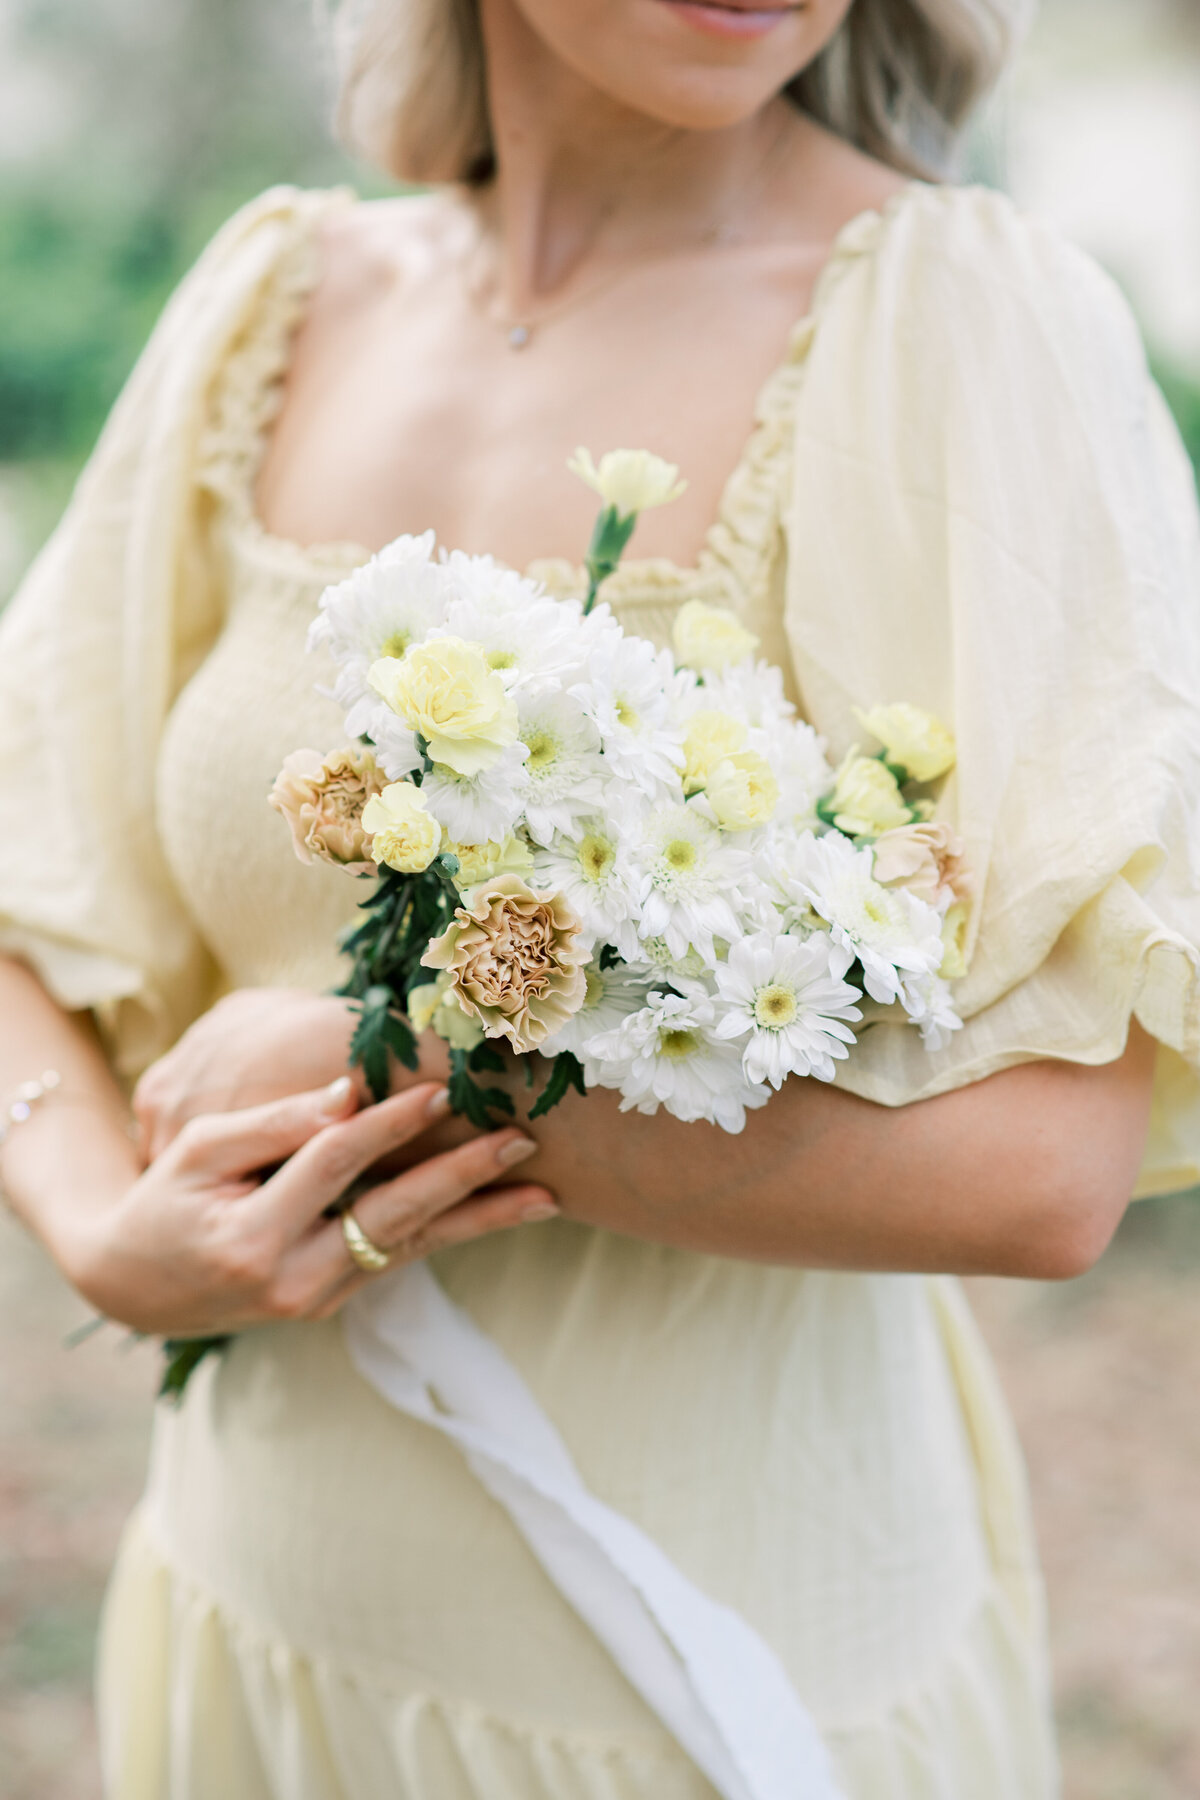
pixel 914 740
pixel 742 791
pixel 631 481
pixel 710 736
pixel 710 637
pixel 867 799
pixel 404 833
pixel 446 691
pixel 479 862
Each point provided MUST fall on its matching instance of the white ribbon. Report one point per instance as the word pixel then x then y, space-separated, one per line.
pixel 716 1686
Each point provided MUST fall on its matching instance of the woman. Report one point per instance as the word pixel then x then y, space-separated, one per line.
pixel 959 489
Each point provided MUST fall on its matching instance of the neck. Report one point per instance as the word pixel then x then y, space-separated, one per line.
pixel 583 183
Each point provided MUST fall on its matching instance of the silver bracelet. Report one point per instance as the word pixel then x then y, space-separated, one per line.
pixel 19 1110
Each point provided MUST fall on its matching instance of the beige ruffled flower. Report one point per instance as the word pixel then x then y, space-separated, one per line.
pixel 515 960
pixel 925 859
pixel 323 800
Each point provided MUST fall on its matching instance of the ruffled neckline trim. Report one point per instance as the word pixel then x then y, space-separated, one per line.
pixel 735 559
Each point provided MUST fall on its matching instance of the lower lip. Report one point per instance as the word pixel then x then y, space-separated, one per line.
pixel 724 22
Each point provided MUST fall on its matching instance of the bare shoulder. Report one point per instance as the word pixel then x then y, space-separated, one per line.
pixel 851 182
pixel 372 249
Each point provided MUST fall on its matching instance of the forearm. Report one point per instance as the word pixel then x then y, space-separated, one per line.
pixel 1026 1173
pixel 75 1151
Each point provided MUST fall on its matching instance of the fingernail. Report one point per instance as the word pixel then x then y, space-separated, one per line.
pixel 541 1209
pixel 515 1151
pixel 333 1104
pixel 439 1104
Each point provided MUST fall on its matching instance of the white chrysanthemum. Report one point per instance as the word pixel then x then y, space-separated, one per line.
pixel 519 627
pixel 380 610
pixel 626 693
pixel 891 933
pixel 797 756
pixel 780 994
pixel 596 875
pixel 480 807
pixel 565 770
pixel 691 873
pixel 926 999
pixel 751 691
pixel 667 1054
pixel 612 996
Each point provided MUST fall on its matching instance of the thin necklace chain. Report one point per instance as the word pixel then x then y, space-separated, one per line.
pixel 520 331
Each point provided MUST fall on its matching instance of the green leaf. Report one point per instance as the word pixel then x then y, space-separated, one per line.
pixel 183 1358
pixel 566 1073
pixel 485 1059
pixel 471 1101
pixel 401 1040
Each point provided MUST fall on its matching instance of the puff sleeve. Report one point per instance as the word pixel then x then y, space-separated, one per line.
pixel 991 516
pixel 110 621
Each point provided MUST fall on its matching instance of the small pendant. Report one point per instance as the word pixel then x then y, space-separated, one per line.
pixel 518 337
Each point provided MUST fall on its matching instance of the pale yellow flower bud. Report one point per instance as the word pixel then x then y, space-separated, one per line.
pixel 404 833
pixel 954 937
pixel 445 690
pixel 710 637
pixel 743 791
pixel 709 737
pixel 632 481
pixel 423 1002
pixel 866 799
pixel 914 740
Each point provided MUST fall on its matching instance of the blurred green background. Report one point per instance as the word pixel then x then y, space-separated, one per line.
pixel 128 130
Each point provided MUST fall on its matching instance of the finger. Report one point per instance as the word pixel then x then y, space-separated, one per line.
pixel 319 1276
pixel 321 1170
pixel 229 1144
pixel 396 1210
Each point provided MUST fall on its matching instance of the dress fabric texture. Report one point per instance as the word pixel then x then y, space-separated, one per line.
pixel 961 490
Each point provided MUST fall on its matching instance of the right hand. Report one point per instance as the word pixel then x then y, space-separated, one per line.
pixel 204 1243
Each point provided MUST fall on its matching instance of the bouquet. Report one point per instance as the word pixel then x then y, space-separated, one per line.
pixel 632 867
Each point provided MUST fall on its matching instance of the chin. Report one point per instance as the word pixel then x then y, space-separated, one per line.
pixel 701 65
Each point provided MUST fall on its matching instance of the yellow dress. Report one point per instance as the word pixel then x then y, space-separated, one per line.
pixel 961 490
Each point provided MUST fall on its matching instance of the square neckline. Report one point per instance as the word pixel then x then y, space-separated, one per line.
pixel 250 392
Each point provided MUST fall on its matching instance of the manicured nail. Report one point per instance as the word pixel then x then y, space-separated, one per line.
pixel 439 1104
pixel 333 1104
pixel 515 1151
pixel 541 1209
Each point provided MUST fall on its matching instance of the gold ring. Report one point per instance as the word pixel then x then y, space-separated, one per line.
pixel 367 1255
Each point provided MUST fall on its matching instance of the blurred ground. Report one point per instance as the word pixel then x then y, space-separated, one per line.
pixel 1102 1376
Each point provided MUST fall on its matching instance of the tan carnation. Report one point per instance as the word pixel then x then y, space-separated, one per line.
pixel 515 960
pixel 925 859
pixel 322 799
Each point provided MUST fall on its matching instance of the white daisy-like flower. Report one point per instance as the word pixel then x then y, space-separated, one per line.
pixel 753 692
pixel 565 769
pixel 626 693
pixel 797 757
pixel 926 999
pixel 690 881
pixel 667 1054
pixel 516 623
pixel 480 807
pixel 891 933
pixel 596 875
pixel 612 996
pixel 780 994
pixel 380 610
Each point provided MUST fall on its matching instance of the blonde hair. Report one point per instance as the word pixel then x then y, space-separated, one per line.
pixel 900 80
